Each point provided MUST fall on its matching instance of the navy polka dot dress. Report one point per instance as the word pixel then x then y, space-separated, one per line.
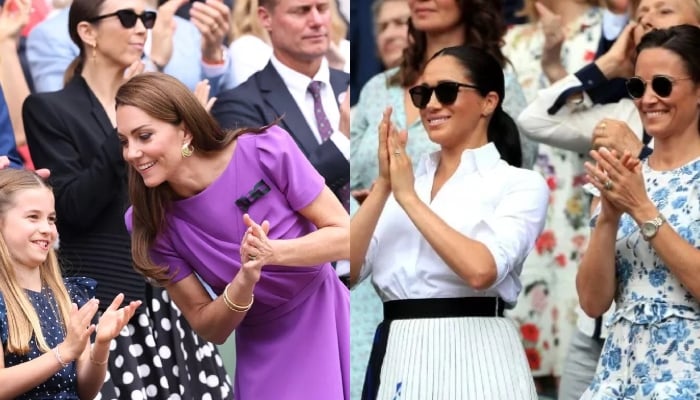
pixel 63 385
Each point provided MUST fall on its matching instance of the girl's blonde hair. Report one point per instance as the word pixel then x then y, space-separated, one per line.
pixel 22 319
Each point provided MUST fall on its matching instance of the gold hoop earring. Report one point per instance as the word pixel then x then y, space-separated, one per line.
pixel 187 150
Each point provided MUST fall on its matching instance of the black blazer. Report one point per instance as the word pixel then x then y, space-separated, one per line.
pixel 69 132
pixel 263 98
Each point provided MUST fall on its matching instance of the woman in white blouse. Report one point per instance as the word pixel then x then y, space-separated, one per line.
pixel 445 247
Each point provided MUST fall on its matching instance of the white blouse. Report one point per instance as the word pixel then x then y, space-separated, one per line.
pixel 487 200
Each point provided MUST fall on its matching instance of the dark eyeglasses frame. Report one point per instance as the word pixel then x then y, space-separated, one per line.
pixel 126 16
pixel 446 93
pixel 659 83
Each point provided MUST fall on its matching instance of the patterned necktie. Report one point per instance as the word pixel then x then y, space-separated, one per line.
pixel 325 130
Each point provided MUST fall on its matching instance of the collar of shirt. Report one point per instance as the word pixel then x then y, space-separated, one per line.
pixel 298 83
pixel 479 160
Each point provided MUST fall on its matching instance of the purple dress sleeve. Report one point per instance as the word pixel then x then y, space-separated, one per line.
pixel 288 168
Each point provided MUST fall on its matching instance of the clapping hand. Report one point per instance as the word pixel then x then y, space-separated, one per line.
pixel 12 21
pixel 616 135
pixel 78 330
pixel 400 165
pixel 619 181
pixel 256 249
pixel 162 32
pixel 201 91
pixel 114 319
pixel 211 17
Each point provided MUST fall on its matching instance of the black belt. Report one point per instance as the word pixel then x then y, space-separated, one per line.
pixel 444 308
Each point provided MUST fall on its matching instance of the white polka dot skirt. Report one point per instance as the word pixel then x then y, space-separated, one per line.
pixel 158 356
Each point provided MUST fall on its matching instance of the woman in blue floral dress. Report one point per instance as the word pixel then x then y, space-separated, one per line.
pixel 645 246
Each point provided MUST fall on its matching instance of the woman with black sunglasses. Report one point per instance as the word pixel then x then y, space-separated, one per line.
pixel 445 247
pixel 72 133
pixel 433 25
pixel 645 241
pixel 591 107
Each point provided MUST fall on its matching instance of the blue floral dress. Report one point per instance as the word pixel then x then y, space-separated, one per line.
pixel 63 385
pixel 653 349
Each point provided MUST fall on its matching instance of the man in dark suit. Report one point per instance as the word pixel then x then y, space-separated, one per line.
pixel 297 85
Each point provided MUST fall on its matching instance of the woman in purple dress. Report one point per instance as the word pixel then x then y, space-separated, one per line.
pixel 197 192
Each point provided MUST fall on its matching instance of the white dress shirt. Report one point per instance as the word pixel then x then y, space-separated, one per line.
pixel 487 200
pixel 572 127
pixel 298 84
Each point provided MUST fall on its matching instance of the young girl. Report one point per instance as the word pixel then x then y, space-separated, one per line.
pixel 46 339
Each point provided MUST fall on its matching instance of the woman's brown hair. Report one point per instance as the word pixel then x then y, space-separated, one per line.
pixel 80 10
pixel 165 98
pixel 485 28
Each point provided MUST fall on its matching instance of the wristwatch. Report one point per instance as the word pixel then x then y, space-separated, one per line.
pixel 650 228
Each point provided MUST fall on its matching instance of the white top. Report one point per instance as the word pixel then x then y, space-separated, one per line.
pixel 571 128
pixel 487 200
pixel 298 84
pixel 251 54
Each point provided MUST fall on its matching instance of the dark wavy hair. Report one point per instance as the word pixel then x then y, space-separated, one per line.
pixel 683 40
pixel 487 74
pixel 485 29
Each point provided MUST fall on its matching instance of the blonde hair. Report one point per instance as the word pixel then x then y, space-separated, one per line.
pixel 339 28
pixel 634 6
pixel 22 319
pixel 245 21
pixel 530 12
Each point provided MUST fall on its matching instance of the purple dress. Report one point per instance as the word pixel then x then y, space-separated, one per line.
pixel 294 342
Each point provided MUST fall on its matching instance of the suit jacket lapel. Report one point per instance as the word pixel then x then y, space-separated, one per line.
pixel 275 93
pixel 79 85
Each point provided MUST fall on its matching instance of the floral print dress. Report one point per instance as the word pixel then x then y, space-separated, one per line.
pixel 653 348
pixel 546 310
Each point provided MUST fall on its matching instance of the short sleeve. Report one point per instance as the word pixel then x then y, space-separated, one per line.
pixel 80 289
pixel 163 253
pixel 287 167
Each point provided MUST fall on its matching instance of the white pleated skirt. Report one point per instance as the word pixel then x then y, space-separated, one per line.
pixel 461 358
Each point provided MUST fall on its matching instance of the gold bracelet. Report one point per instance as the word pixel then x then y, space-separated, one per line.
pixel 92 359
pixel 59 359
pixel 235 307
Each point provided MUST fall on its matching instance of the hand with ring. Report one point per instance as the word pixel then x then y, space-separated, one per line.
pixel 619 180
pixel 616 135
pixel 212 20
pixel 256 249
pixel 400 166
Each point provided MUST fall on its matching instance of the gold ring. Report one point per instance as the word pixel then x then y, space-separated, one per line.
pixel 602 126
pixel 252 258
pixel 608 185
pixel 397 153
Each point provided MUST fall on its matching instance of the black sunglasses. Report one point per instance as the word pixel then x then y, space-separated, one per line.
pixel 446 93
pixel 661 84
pixel 128 18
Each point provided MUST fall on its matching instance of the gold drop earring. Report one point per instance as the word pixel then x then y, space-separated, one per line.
pixel 187 150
